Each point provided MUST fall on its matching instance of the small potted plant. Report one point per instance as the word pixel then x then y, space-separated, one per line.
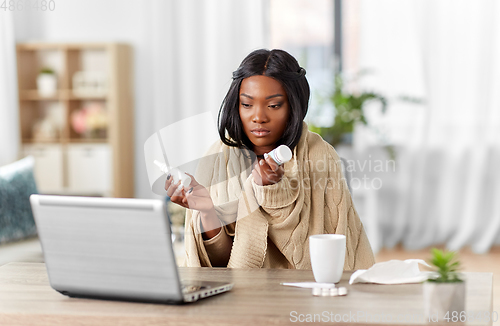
pixel 46 82
pixel 444 291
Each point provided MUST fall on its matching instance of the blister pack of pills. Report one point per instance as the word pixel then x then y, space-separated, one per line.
pixel 329 292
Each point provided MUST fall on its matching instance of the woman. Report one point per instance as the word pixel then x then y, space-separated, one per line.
pixel 244 209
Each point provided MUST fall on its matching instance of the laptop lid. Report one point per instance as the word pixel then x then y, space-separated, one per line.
pixel 108 248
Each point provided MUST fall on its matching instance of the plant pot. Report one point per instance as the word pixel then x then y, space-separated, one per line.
pixel 46 84
pixel 442 299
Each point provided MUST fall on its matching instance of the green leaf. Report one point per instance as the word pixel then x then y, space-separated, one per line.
pixel 445 265
pixel 46 70
pixel 345 102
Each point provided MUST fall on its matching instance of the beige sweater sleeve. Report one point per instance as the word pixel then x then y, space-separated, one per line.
pixel 364 253
pixel 219 248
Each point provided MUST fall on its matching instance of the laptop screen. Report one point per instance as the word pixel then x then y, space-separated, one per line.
pixel 107 247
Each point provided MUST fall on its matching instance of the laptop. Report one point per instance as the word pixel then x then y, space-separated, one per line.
pixel 113 249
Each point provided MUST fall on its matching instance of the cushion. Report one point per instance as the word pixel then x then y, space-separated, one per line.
pixel 17 183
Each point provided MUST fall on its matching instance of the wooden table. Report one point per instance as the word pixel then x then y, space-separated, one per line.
pixel 257 298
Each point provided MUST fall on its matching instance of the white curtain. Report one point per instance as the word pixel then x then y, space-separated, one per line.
pixel 9 126
pixel 447 185
pixel 194 46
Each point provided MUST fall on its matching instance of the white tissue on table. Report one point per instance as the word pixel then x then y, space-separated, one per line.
pixel 392 272
pixel 310 285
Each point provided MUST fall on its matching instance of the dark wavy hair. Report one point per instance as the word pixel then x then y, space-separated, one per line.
pixel 283 67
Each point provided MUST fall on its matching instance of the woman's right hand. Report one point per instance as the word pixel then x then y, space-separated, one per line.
pixel 196 197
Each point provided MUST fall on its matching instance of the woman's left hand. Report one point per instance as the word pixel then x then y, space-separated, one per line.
pixel 267 172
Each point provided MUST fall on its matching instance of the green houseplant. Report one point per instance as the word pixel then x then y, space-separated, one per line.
pixel 444 291
pixel 446 266
pixel 349 111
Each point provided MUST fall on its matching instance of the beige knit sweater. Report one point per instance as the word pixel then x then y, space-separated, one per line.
pixel 269 226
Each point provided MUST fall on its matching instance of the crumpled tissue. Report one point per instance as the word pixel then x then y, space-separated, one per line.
pixel 392 272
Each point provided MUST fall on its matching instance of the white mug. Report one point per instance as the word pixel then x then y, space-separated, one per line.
pixel 327 257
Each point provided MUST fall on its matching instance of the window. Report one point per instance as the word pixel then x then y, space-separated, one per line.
pixel 305 29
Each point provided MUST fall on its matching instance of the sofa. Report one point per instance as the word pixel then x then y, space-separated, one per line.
pixel 18 236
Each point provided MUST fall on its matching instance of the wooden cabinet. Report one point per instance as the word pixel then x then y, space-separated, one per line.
pixel 48 166
pixel 82 139
pixel 89 169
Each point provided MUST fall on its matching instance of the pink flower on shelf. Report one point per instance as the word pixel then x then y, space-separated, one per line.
pixel 93 108
pixel 91 117
pixel 79 121
pixel 96 116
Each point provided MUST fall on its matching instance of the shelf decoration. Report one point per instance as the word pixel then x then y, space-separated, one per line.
pixel 49 127
pixel 89 84
pixel 87 147
pixel 46 82
pixel 90 121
